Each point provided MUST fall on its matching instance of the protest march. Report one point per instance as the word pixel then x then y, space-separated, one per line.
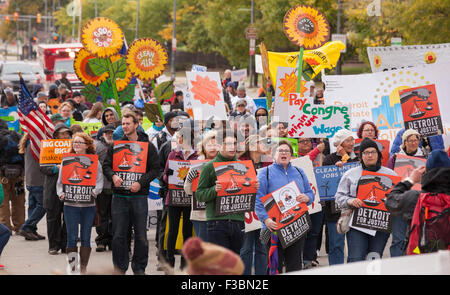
pixel 242 178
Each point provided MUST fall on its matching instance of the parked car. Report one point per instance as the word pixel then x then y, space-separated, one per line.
pixel 10 78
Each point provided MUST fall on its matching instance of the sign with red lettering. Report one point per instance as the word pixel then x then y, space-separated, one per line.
pixel 129 161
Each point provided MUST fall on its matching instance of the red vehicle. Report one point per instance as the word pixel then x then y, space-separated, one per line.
pixel 57 58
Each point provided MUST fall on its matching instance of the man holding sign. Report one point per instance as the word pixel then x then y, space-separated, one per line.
pixel 131 179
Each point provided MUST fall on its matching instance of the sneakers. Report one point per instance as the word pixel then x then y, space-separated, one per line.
pixel 53 251
pixel 100 248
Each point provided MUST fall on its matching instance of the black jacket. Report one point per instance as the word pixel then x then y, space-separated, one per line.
pixel 402 200
pixel 152 169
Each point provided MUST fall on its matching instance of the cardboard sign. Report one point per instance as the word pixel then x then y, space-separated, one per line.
pixel 11 116
pixel 404 165
pixel 197 165
pixel 420 109
pixel 294 223
pixel 206 95
pixel 383 146
pixel 177 195
pixel 328 178
pixel 52 151
pixel 315 120
pixel 307 166
pixel 239 75
pixel 372 190
pixel 79 175
pixel 238 191
pixel 154 201
pixel 88 128
pixel 129 161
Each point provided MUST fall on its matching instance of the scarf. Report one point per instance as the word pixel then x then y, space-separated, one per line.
pixel 273 254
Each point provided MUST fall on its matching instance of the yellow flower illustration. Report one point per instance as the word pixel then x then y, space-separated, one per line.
pixel 83 70
pixel 377 60
pixel 430 57
pixel 121 84
pixel 102 37
pixel 146 58
pixel 306 27
pixel 289 85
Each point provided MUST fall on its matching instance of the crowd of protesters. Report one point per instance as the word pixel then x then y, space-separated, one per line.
pixel 121 215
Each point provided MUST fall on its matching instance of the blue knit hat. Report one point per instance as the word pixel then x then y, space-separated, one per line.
pixel 437 159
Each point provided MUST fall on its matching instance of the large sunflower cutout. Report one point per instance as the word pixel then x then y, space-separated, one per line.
pixel 84 71
pixel 102 37
pixel 121 84
pixel 306 27
pixel 146 58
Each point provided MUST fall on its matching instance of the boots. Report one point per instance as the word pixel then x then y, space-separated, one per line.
pixel 72 260
pixel 85 253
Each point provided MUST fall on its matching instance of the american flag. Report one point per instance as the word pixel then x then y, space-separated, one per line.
pixel 33 120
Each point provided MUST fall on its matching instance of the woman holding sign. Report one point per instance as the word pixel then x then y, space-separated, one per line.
pixel 272 178
pixel 360 242
pixel 78 212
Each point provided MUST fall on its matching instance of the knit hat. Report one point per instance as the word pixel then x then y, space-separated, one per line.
pixel 341 136
pixel 210 259
pixel 367 143
pixel 170 115
pixel 52 87
pixel 437 159
pixel 407 134
pixel 57 117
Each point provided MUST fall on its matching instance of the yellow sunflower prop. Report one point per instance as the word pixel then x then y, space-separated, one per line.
pixel 306 27
pixel 265 60
pixel 83 70
pixel 102 37
pixel 146 58
pixel 121 84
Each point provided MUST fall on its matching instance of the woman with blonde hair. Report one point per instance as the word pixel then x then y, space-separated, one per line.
pixel 95 114
pixel 80 213
pixel 65 109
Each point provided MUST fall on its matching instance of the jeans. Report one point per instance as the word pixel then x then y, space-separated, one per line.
pixel 125 211
pixel 398 236
pixel 36 210
pixel 361 244
pixel 174 224
pixel 253 251
pixel 104 229
pixel 5 233
pixel 310 248
pixel 336 244
pixel 226 233
pixel 83 216
pixel 200 229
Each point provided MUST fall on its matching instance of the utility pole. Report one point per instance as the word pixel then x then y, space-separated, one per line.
pixel 137 19
pixel 96 11
pixel 174 40
pixel 80 20
pixel 46 21
pixel 74 19
pixel 252 45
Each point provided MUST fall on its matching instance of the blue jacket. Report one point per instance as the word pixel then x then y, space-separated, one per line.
pixel 436 142
pixel 279 177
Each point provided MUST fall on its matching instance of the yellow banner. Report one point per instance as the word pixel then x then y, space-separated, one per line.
pixel 324 57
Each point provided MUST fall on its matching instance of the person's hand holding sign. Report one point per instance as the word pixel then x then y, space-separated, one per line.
pixel 271 225
pixel 357 203
pixel 117 181
pixel 302 198
pixel 135 187
pixel 218 186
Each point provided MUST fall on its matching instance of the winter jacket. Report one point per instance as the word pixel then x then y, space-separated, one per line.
pixel 33 174
pixel 118 133
pixel 101 148
pixel 104 122
pixel 50 178
pixel 151 172
pixel 206 191
pixel 436 142
pixel 274 177
pixel 161 138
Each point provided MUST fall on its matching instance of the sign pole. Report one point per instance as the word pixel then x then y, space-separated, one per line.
pixel 300 70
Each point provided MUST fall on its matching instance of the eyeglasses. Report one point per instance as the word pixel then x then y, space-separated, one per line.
pixel 412 141
pixel 78 142
pixel 284 151
pixel 240 105
pixel 304 141
pixel 369 130
pixel 372 153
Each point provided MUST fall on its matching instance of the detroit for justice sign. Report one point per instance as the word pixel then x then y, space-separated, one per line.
pixel 315 120
pixel 328 178
pixel 420 109
pixel 129 161
pixel 238 191
pixel 295 222
pixel 404 165
pixel 372 190
pixel 197 165
pixel 52 151
pixel 79 176
pixel 177 195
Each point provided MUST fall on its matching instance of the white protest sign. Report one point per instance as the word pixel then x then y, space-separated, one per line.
pixel 306 164
pixel 239 75
pixel 258 64
pixel 198 68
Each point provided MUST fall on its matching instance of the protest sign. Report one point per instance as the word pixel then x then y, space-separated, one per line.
pixel 383 146
pixel 79 176
pixel 129 161
pixel 404 165
pixel 315 120
pixel 198 68
pixel 372 190
pixel 306 165
pixel 154 201
pixel 88 128
pixel 197 165
pixel 52 150
pixel 251 221
pixel 239 75
pixel 294 223
pixel 375 96
pixel 328 178
pixel 207 97
pixel 420 109
pixel 238 187
pixel 54 104
pixel 177 195
pixel 399 57
pixel 11 116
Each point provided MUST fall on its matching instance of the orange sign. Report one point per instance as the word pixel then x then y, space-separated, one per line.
pixel 129 161
pixel 383 146
pixel 404 165
pixel 54 104
pixel 52 150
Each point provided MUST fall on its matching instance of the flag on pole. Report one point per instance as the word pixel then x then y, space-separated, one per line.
pixel 33 120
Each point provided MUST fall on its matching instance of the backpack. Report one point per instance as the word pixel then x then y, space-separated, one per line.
pixel 430 225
